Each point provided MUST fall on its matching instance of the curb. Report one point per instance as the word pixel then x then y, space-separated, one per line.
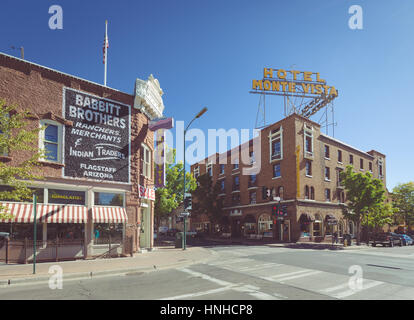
pixel 92 274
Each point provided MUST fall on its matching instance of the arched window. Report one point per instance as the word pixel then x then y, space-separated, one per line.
pixel 265 223
pixel 280 192
pixel 317 226
pixel 306 192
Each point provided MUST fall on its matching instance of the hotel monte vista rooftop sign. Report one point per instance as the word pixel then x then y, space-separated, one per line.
pixel 148 97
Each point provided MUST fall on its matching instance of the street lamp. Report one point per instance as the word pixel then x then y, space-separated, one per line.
pixel 202 111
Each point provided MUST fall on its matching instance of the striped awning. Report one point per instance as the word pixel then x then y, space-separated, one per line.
pixel 109 215
pixel 49 213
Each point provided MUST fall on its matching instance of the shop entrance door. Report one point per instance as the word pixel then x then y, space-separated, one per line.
pixel 286 231
pixel 145 232
pixel 236 228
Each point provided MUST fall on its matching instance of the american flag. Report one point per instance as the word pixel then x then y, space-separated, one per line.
pixel 105 43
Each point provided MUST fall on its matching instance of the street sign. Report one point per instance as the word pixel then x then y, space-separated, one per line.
pixel 185 214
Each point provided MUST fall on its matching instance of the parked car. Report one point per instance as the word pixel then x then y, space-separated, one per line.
pixel 406 239
pixel 162 230
pixel 4 235
pixel 172 232
pixel 386 239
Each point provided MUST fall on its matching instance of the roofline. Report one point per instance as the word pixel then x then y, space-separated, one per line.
pixel 345 144
pixel 60 72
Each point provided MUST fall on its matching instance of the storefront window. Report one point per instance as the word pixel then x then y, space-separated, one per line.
pixel 105 232
pixel 317 226
pixel 265 223
pixel 38 191
pixel 20 231
pixel 109 199
pixel 65 231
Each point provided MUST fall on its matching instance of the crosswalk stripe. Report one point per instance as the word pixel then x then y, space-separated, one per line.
pixel 331 289
pixel 299 276
pixel 351 292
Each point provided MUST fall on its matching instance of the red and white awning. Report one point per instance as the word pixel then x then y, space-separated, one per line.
pixel 49 213
pixel 109 215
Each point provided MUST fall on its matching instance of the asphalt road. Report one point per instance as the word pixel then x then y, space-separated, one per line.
pixel 253 272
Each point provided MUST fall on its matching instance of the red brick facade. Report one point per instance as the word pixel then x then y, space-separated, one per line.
pixel 303 194
pixel 39 90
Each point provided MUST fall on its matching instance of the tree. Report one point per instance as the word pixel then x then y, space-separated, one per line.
pixel 403 199
pixel 171 196
pixel 15 136
pixel 365 195
pixel 206 200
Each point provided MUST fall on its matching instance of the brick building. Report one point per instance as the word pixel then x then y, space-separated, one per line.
pixel 298 164
pixel 98 173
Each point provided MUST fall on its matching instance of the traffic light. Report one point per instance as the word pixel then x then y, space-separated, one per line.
pixel 188 202
pixel 275 210
pixel 284 211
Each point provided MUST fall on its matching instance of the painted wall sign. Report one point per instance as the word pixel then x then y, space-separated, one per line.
pixel 146 193
pixel 97 146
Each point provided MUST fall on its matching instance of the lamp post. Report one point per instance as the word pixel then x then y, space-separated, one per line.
pixel 185 216
pixel 278 226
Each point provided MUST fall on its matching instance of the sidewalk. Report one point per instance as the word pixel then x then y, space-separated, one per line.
pixel 293 245
pixel 160 258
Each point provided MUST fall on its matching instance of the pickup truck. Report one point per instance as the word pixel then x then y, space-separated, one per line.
pixel 386 239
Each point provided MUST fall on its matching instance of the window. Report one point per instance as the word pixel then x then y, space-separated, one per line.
pixel 339 156
pixel 222 169
pixel 351 159
pixel 309 168
pixel 196 172
pixel 222 185
pixel 3 151
pixel 146 161
pixel 235 198
pixel 307 192
pixel 253 197
pixel 236 164
pixel 339 179
pixel 312 193
pixel 280 192
pixel 51 141
pixel 308 136
pixel 252 180
pixel 327 174
pixel 370 166
pixel 327 152
pixel 361 164
pixel 380 166
pixel 109 199
pixel 276 171
pixel 276 144
pixel 236 183
pixel 209 169
pixel 327 194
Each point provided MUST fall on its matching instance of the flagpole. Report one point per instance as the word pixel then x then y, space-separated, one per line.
pixel 106 49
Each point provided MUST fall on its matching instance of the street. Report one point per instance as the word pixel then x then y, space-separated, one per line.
pixel 252 272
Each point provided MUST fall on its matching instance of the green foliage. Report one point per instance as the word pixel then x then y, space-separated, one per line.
pixel 206 200
pixel 171 196
pixel 16 137
pixel 365 196
pixel 403 201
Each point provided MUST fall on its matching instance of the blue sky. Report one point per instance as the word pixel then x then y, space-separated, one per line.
pixel 205 53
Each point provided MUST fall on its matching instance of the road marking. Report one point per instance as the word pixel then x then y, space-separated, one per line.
pixel 258 267
pixel 299 276
pixel 248 289
pixel 289 274
pixel 206 277
pixel 351 292
pixel 327 290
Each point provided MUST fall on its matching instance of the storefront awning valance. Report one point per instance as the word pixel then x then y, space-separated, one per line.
pixel 306 218
pixel 109 215
pixel 49 213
